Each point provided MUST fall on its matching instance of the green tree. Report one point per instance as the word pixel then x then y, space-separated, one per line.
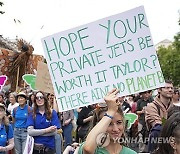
pixel 169 59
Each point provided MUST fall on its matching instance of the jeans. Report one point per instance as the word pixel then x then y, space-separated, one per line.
pixel 20 135
pixel 58 143
pixel 67 132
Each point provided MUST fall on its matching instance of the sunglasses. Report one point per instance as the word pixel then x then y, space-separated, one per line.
pixel 39 97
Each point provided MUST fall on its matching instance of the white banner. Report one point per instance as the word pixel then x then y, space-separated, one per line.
pixel 87 61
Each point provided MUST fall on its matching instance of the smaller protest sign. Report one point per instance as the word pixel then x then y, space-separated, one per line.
pixel 3 79
pixel 30 79
pixel 43 80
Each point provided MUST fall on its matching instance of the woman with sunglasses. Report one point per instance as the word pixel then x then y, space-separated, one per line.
pixel 6 132
pixel 42 125
pixel 108 129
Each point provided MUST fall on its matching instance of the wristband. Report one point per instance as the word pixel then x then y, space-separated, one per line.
pixel 109 116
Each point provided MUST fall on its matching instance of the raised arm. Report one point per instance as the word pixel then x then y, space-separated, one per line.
pixel 90 143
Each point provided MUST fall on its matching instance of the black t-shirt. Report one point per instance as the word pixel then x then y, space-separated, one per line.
pixel 83 114
pixel 141 103
pixel 126 105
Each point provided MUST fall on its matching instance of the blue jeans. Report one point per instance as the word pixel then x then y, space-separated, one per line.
pixel 67 132
pixel 58 142
pixel 20 135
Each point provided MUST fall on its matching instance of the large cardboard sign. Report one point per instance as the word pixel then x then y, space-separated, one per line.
pixel 87 61
pixel 43 79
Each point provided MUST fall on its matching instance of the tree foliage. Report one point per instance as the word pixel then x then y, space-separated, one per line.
pixel 169 59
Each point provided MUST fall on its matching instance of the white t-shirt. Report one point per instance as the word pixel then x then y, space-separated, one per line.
pixel 11 107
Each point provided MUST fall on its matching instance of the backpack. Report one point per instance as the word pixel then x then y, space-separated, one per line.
pixel 146 125
pixel 146 130
pixel 7 132
pixel 7 129
pixel 153 132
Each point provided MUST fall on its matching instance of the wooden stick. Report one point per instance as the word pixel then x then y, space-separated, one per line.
pixel 24 81
pixel 17 79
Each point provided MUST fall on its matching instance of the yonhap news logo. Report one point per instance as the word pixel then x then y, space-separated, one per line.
pixel 103 140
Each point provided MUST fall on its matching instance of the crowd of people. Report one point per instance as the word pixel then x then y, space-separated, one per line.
pixel 92 129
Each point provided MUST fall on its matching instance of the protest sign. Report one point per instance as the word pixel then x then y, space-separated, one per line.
pixel 87 61
pixel 29 145
pixel 3 79
pixel 30 79
pixel 43 79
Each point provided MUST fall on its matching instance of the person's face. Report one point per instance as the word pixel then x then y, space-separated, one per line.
pixel 51 98
pixel 12 99
pixel 1 99
pixel 145 95
pixel 175 144
pixel 32 97
pixel 130 98
pixel 39 99
pixel 167 91
pixel 116 127
pixel 176 96
pixel 21 100
pixel 121 99
pixel 178 148
pixel 2 112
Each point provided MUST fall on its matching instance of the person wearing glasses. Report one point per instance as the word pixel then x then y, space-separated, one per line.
pixel 156 112
pixel 42 125
pixel 6 132
pixel 108 128
pixel 176 97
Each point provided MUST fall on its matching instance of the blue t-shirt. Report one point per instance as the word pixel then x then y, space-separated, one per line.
pixel 41 122
pixel 4 137
pixel 21 115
